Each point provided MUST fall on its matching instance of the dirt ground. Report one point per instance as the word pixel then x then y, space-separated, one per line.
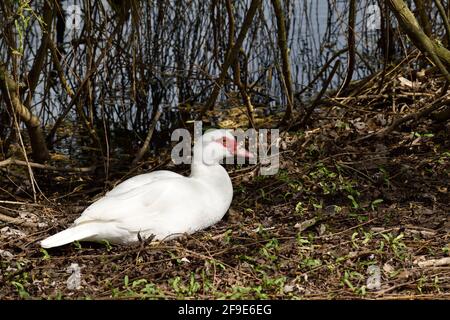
pixel 348 216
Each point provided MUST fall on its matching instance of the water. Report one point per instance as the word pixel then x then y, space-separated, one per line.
pixel 170 58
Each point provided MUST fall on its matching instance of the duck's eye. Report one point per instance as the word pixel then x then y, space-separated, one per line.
pixel 224 141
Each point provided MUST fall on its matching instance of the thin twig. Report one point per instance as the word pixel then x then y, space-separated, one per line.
pixel 146 144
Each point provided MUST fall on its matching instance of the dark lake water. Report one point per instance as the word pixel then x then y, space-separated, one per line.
pixel 316 30
pixel 184 46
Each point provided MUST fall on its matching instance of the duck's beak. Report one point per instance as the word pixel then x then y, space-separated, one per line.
pixel 234 148
pixel 241 152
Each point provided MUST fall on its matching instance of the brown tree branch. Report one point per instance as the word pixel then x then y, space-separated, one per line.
pixel 38 63
pixel 422 9
pixel 12 161
pixel 304 120
pixel 237 67
pixel 444 19
pixel 285 61
pixel 11 97
pixel 232 55
pixel 438 54
pixel 146 144
pixel 351 45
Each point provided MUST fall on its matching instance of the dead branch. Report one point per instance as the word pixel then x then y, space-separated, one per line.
pixel 434 262
pixel 426 233
pixel 318 98
pixel 146 144
pixel 322 71
pixel 59 69
pixel 12 161
pixel 415 116
pixel 17 221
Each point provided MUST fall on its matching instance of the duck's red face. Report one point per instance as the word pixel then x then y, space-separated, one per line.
pixel 232 147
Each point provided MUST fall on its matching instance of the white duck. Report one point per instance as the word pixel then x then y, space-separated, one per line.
pixel 164 204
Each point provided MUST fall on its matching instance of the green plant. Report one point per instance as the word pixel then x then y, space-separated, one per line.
pixel 367 237
pixel 299 209
pixel 386 177
pixel 354 240
pixel 262 232
pixel 192 287
pixel 325 178
pixel 77 245
pixel 23 14
pixel 310 263
pixel 240 189
pixel 349 279
pixel 227 236
pixel 355 204
pixel 420 283
pixel 238 292
pixel 207 285
pixel 302 241
pixel 46 256
pixel 20 289
pixel 276 283
pixel 58 296
pixel 150 290
pixel 115 292
pixel 107 244
pixel 138 288
pixel 217 263
pixel 317 206
pixel 374 204
pixel 269 250
pixel 444 157
pixel 395 243
pixel 139 282
pixel 422 135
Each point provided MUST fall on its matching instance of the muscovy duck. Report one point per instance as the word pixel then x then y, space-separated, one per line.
pixel 162 204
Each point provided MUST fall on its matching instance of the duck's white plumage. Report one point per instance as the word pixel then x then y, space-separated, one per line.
pixel 162 204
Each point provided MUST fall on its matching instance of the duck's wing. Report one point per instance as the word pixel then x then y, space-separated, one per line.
pixel 139 180
pixel 115 218
pixel 142 203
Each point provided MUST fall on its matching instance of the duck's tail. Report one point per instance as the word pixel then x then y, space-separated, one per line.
pixel 80 232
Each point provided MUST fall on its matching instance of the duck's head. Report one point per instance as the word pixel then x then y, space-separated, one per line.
pixel 218 144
